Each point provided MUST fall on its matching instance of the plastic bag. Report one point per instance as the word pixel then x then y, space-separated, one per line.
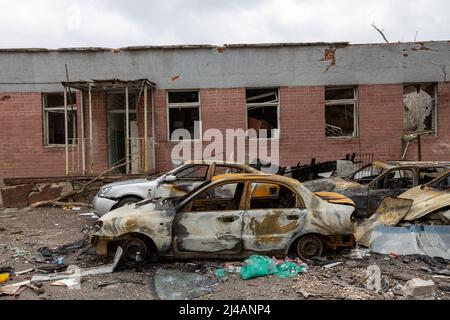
pixel 257 266
pixel 288 269
pixel 260 266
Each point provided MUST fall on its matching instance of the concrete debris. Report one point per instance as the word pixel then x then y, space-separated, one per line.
pixel 16 196
pixel 419 289
pixel 12 288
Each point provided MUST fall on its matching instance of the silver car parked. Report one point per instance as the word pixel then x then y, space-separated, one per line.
pixel 176 182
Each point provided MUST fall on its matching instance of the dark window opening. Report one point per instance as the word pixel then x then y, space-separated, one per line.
pixel 54 118
pixel 183 97
pixel 223 169
pixel 184 118
pixel 340 112
pixel 272 196
pixel 226 197
pixel 262 111
pixel 397 179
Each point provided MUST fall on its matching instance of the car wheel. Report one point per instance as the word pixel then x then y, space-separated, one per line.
pixel 309 246
pixel 132 246
pixel 127 200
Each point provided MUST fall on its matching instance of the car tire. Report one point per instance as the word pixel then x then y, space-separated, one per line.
pixel 309 246
pixel 133 245
pixel 127 200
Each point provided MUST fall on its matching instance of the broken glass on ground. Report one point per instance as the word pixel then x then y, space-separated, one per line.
pixel 180 285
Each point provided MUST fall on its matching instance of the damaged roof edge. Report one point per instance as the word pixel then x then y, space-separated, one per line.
pixel 209 46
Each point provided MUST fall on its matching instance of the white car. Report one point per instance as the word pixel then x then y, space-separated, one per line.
pixel 176 182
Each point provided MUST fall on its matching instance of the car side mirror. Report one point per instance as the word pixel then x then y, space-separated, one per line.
pixel 170 178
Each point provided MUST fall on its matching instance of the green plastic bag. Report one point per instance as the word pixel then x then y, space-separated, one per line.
pixel 260 266
pixel 288 269
pixel 257 266
pixel 220 273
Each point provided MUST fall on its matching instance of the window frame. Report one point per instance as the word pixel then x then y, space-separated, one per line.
pixel 265 104
pixel 435 100
pixel 300 203
pixel 45 112
pixel 354 101
pixel 183 105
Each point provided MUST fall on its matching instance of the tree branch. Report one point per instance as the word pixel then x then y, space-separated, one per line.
pixel 380 31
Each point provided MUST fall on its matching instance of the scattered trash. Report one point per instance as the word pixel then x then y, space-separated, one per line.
pixel 36 287
pixel 419 289
pixel 358 254
pixel 59 261
pixel 12 288
pixel 393 255
pixel 6 270
pixel 102 285
pixel 4 277
pixel 259 266
pixel 72 270
pixel 44 254
pixel 20 252
pixel 220 273
pixel 76 208
pixel 70 283
pixel 179 285
pixel 306 294
pixel 90 214
pixel 332 265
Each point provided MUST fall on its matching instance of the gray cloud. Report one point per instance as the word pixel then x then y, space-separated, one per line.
pixel 114 23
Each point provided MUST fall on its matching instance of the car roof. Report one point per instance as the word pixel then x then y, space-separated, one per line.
pixel 419 164
pixel 252 177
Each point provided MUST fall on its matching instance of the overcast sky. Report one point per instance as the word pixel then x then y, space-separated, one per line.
pixel 118 23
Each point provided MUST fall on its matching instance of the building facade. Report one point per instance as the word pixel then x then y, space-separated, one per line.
pixel 322 100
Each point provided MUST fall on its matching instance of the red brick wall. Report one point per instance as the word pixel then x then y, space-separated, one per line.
pixel 302 136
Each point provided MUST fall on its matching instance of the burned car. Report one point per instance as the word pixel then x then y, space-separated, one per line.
pixel 230 216
pixel 368 186
pixel 425 206
pixel 176 182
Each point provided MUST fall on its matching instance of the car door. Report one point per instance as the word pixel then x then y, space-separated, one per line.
pixel 186 179
pixel 211 222
pixel 273 216
pixel 390 184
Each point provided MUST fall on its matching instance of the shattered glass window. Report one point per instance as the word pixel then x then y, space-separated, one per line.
pixel 442 184
pixel 419 104
pixel 368 173
pixel 397 179
pixel 262 111
pixel 340 112
pixel 195 172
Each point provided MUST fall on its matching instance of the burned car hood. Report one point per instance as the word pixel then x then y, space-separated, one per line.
pixel 151 219
pixel 330 184
pixel 426 200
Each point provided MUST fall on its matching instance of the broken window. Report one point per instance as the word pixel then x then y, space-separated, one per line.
pixel 223 197
pixel 442 184
pixel 54 125
pixel 340 112
pixel 263 111
pixel 184 113
pixel 428 174
pixel 419 104
pixel 367 174
pixel 397 179
pixel 272 196
pixel 193 173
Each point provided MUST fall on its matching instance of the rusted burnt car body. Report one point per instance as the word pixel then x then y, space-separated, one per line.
pixel 424 204
pixel 176 182
pixel 368 186
pixel 231 216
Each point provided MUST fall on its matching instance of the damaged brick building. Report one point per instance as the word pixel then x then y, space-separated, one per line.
pixel 321 100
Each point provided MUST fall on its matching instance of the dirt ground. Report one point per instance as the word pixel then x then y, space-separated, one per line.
pixel 24 231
